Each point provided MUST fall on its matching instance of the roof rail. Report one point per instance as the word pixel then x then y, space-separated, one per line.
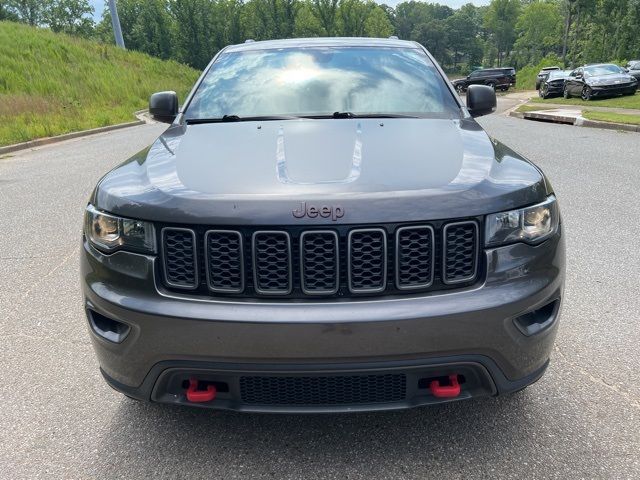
pixel 249 40
pixel 393 37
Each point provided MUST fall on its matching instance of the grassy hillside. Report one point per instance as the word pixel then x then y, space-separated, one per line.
pixel 52 84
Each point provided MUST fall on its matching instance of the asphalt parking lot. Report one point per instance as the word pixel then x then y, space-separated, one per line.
pixel 582 420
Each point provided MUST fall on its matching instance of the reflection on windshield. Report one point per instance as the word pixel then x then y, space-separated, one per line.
pixel 320 81
pixel 602 70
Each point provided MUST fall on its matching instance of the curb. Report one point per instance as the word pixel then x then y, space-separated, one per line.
pixel 583 122
pixel 140 115
pixel 578 122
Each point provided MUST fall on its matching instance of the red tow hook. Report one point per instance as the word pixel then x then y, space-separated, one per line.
pixel 196 395
pixel 446 391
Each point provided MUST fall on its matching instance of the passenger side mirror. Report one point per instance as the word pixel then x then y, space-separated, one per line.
pixel 481 100
pixel 163 106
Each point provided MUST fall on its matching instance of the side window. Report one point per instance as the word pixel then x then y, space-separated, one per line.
pixel 475 74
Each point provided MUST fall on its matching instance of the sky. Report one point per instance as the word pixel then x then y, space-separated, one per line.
pixel 98 5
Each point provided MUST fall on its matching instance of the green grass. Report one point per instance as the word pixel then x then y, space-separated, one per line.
pixel 52 83
pixel 617 102
pixel 612 117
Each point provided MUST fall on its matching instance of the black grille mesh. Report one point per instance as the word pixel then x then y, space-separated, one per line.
pixel 179 258
pixel 319 256
pixel 224 261
pixel 272 262
pixel 415 257
pixel 300 262
pixel 367 260
pixel 460 252
pixel 329 390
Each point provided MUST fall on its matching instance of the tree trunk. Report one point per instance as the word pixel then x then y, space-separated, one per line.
pixel 567 28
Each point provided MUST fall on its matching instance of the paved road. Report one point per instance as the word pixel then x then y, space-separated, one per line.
pixel 582 420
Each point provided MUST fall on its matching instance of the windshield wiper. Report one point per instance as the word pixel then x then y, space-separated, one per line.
pixel 236 118
pixel 361 115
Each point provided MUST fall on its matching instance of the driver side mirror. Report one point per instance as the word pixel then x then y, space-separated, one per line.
pixel 163 106
pixel 481 100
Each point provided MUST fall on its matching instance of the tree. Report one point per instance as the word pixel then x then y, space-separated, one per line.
pixel 378 24
pixel 326 11
pixel 31 12
pixel 500 21
pixel 433 35
pixel 70 16
pixel 352 17
pixel 461 32
pixel 539 29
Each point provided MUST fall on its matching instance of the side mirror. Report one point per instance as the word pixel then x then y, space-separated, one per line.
pixel 481 100
pixel 163 106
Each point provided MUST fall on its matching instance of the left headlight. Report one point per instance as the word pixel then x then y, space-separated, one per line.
pixel 109 233
pixel 531 224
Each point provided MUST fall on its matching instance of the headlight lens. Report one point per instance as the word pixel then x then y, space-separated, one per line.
pixel 531 225
pixel 110 233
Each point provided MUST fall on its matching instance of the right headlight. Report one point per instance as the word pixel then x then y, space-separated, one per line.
pixel 109 233
pixel 531 224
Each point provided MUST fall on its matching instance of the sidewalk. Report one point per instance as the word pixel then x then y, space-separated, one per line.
pixel 569 114
pixel 592 105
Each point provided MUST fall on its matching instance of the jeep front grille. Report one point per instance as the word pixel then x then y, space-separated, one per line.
pixel 302 262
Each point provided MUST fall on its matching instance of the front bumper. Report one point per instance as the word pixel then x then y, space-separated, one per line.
pixel 419 336
pixel 612 90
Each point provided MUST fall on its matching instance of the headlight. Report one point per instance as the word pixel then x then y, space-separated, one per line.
pixel 110 233
pixel 531 225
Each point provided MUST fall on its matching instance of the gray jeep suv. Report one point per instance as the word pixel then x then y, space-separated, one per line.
pixel 323 227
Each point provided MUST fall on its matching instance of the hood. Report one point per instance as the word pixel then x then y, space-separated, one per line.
pixel 376 170
pixel 615 79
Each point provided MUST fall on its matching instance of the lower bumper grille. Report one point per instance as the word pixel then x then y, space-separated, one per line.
pixel 329 390
pixel 303 262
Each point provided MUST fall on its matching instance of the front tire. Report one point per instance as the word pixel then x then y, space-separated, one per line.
pixel 492 85
pixel 586 93
pixel 541 92
pixel 565 93
pixel 460 89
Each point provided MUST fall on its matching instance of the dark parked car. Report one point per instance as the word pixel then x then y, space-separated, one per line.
pixel 543 74
pixel 634 69
pixel 553 83
pixel 600 80
pixel 323 227
pixel 496 78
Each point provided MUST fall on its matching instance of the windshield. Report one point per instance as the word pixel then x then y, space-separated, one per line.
pixel 558 74
pixel 319 81
pixel 597 70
